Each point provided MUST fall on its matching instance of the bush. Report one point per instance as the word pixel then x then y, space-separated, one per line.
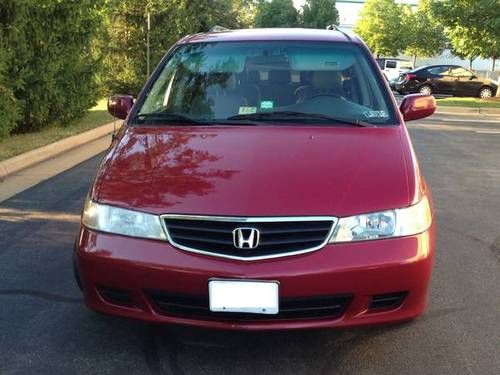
pixel 49 62
pixel 9 105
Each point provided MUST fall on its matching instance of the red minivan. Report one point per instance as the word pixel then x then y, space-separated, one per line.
pixel 263 179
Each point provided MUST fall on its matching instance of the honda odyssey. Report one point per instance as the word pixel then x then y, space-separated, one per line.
pixel 263 179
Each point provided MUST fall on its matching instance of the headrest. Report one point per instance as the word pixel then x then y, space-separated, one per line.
pixel 326 79
pixel 279 76
pixel 253 76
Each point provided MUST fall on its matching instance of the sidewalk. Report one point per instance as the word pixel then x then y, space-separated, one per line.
pixel 19 181
pixel 445 110
pixel 20 162
pixel 26 170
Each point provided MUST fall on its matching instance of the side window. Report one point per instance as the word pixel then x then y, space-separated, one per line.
pixel 405 65
pixel 460 72
pixel 438 71
pixel 390 64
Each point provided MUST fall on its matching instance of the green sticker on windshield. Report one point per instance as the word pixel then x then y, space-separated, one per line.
pixel 267 104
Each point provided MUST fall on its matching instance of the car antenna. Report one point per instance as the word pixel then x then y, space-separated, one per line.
pixel 334 27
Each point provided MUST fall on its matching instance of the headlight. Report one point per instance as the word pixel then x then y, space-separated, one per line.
pixel 120 221
pixel 385 224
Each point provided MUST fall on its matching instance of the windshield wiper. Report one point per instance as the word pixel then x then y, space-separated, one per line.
pixel 299 116
pixel 165 117
pixel 161 117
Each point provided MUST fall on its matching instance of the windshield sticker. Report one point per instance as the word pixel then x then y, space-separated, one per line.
pixel 375 114
pixel 267 104
pixel 247 110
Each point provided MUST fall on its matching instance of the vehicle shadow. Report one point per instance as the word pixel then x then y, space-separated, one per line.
pixel 184 350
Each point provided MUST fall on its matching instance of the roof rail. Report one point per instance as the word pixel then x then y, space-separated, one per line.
pixel 334 27
pixel 218 29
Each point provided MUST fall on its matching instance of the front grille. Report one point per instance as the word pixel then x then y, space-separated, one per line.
pixel 278 236
pixel 290 308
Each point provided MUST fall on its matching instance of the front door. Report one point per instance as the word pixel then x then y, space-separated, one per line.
pixel 442 80
pixel 466 83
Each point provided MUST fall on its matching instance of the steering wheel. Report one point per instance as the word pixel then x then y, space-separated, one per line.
pixel 333 95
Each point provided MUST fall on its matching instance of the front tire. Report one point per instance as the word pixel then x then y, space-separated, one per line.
pixel 425 90
pixel 485 92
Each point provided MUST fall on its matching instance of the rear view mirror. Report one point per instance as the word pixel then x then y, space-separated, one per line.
pixel 417 106
pixel 120 105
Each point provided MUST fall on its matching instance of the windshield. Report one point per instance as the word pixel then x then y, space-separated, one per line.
pixel 267 83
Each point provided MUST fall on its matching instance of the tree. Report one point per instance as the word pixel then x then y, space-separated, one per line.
pixel 10 109
pixel 276 13
pixel 464 43
pixel 473 26
pixel 425 34
pixel 382 27
pixel 125 42
pixel 48 62
pixel 319 14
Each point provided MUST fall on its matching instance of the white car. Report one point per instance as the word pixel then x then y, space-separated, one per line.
pixel 392 68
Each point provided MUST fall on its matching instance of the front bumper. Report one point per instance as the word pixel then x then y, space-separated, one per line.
pixel 357 270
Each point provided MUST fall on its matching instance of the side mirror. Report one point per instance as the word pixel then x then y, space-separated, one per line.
pixel 120 105
pixel 472 77
pixel 417 106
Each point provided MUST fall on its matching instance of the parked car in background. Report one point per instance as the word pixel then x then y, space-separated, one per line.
pixel 264 179
pixel 447 80
pixel 392 68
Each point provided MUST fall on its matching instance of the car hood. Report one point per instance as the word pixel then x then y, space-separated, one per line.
pixel 256 170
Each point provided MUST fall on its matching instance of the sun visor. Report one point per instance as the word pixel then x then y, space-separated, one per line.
pixel 319 59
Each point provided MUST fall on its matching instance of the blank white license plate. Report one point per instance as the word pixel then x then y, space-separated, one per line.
pixel 258 297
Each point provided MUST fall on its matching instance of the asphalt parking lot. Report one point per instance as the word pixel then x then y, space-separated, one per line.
pixel 46 329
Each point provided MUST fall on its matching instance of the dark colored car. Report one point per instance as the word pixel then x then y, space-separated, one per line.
pixel 263 179
pixel 446 80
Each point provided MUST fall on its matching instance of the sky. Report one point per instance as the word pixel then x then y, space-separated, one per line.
pixel 298 3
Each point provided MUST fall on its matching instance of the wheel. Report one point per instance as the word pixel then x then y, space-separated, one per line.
pixel 425 89
pixel 486 92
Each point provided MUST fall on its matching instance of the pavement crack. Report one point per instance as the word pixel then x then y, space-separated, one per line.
pixel 466 235
pixel 151 351
pixel 39 294
pixel 441 312
pixel 495 248
pixel 174 347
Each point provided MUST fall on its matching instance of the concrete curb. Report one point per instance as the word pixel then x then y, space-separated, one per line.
pixel 467 110
pixel 38 155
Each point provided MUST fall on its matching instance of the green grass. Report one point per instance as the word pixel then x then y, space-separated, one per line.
pixel 20 143
pixel 469 102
